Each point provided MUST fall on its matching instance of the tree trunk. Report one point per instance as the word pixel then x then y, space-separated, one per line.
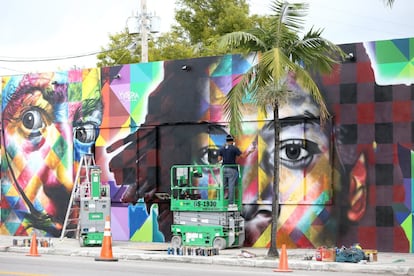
pixel 273 252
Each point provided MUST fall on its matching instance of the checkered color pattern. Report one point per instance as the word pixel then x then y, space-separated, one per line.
pixel 373 119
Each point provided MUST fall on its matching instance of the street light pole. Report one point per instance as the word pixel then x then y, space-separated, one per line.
pixel 144 31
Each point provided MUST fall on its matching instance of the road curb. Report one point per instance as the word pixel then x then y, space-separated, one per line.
pixel 231 259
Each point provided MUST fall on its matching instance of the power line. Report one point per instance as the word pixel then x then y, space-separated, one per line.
pixel 17 59
pixel 11 69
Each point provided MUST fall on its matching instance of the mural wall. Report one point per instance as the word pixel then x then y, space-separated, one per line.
pixel 371 99
pixel 39 150
pixel 344 182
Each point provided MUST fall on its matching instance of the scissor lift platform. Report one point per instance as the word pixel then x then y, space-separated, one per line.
pixel 201 214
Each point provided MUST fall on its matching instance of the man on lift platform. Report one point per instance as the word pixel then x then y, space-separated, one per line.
pixel 228 155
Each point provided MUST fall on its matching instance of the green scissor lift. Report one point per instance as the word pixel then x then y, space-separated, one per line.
pixel 95 206
pixel 200 208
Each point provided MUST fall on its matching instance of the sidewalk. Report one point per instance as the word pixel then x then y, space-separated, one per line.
pixel 387 264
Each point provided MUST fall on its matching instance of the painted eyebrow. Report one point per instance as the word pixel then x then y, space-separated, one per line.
pixel 16 98
pixel 300 119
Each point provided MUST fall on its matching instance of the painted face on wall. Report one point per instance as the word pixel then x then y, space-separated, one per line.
pixel 306 177
pixel 37 152
pixel 306 184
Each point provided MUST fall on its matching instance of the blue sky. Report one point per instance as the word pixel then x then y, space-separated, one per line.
pixel 59 28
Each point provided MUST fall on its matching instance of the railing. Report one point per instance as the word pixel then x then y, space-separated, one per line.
pixel 201 188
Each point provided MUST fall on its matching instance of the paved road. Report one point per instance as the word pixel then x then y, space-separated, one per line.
pixel 387 264
pixel 51 265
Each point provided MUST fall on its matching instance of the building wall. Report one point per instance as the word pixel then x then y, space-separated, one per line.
pixel 371 99
pixel 346 182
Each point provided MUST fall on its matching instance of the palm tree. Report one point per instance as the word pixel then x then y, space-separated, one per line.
pixel 281 51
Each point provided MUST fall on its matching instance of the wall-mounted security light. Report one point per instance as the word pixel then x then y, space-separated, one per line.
pixel 350 57
pixel 185 68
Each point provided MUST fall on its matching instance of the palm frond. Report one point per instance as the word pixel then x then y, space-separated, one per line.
pixel 234 101
pixel 276 64
pixel 290 15
pixel 305 80
pixel 315 53
pixel 282 51
pixel 242 40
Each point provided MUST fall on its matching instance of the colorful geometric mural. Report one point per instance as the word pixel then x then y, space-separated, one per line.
pixel 40 147
pixel 371 120
pixel 143 225
pixel 392 60
pixel 344 182
pixel 404 210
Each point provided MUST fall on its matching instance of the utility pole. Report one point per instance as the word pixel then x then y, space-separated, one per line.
pixel 142 24
pixel 144 31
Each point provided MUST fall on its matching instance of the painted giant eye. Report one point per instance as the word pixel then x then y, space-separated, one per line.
pixel 293 151
pixel 86 133
pixel 297 153
pixel 32 120
pixel 208 155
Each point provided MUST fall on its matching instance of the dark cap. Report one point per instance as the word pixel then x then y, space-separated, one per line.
pixel 229 138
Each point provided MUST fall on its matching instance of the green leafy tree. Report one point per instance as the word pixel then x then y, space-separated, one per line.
pixel 282 51
pixel 202 20
pixel 170 46
pixel 199 25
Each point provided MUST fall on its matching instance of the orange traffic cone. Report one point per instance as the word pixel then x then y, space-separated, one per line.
pixel 283 261
pixel 33 247
pixel 106 250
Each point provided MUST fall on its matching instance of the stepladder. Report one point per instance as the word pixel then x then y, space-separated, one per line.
pixel 81 187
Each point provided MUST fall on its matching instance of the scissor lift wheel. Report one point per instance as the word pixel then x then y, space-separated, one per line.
pixel 176 241
pixel 219 243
